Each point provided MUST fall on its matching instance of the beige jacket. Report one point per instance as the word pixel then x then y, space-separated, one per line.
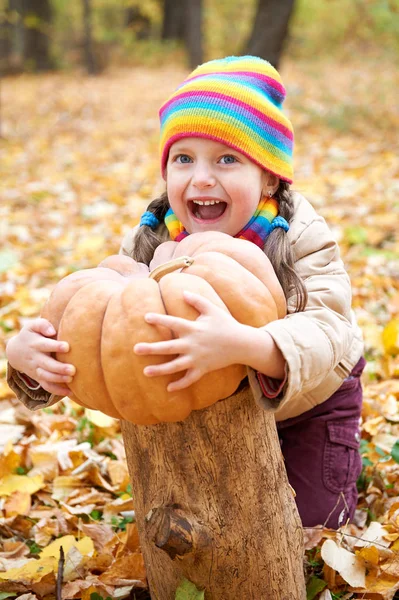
pixel 320 345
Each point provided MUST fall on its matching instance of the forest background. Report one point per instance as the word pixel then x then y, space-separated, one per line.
pixel 81 84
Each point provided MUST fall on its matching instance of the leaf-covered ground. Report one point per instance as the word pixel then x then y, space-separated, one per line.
pixel 79 164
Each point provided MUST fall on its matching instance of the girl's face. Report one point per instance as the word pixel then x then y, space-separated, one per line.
pixel 213 187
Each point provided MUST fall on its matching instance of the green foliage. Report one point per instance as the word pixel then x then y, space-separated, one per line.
pixel 96 515
pixel 33 547
pixel 86 430
pixel 314 587
pixel 316 29
pixel 4 595
pixel 188 591
pixel 119 523
pixel 395 451
pixel 334 26
pixel 21 471
pixel 96 596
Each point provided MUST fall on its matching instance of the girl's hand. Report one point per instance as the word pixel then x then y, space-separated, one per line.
pixel 30 351
pixel 203 345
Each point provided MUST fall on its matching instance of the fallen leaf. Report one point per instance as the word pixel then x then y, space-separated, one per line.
pixel 349 566
pixel 13 483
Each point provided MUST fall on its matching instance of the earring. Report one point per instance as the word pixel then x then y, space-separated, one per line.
pixel 270 194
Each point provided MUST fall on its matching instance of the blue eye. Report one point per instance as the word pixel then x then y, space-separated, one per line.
pixel 183 159
pixel 228 159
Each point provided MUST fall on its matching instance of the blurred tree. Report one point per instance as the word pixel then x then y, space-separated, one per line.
pixel 182 20
pixel 25 35
pixel 173 19
pixel 193 32
pixel 270 29
pixel 89 55
pixel 5 37
pixel 37 18
pixel 139 23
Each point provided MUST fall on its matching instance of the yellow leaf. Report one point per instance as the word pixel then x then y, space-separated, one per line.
pixel 390 337
pixel 34 570
pixel 372 426
pixel 15 483
pixel 9 461
pixel 90 245
pixel 85 546
pixel 391 537
pixel 370 554
pixel 18 503
pixel 5 391
pixel 99 419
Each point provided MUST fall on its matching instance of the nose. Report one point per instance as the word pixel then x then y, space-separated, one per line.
pixel 203 176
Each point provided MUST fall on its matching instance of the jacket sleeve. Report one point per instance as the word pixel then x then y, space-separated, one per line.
pixel 31 395
pixel 314 341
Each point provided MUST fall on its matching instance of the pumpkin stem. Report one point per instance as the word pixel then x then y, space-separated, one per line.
pixel 170 266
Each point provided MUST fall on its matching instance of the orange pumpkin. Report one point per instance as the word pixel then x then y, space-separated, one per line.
pixel 100 313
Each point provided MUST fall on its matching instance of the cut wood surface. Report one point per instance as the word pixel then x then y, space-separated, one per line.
pixel 213 504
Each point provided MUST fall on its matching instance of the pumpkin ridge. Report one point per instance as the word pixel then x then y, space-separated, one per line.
pixel 101 354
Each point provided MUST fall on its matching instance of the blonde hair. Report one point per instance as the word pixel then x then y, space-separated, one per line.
pixel 277 246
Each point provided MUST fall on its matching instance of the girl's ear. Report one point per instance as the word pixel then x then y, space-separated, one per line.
pixel 270 183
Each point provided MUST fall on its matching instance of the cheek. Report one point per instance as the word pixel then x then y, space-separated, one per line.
pixel 246 205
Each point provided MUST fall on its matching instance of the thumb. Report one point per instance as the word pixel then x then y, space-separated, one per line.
pixel 43 326
pixel 203 305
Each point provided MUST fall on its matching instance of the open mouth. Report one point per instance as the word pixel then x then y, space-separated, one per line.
pixel 207 210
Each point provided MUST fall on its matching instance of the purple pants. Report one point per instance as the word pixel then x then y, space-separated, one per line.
pixel 321 452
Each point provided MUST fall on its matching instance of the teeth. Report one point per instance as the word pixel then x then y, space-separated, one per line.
pixel 206 202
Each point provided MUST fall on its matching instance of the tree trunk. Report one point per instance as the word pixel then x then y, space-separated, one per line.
pixel 5 39
pixel 213 504
pixel 193 32
pixel 270 29
pixel 37 22
pixel 90 60
pixel 173 20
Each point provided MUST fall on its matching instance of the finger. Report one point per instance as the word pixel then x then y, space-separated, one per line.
pixel 177 324
pixel 173 366
pixel 164 348
pixel 46 363
pixel 48 345
pixel 189 378
pixel 203 305
pixel 44 376
pixel 43 326
pixel 58 390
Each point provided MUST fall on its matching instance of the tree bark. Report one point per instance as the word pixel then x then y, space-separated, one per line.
pixel 270 29
pixel 5 39
pixel 36 31
pixel 90 60
pixel 213 504
pixel 173 20
pixel 193 32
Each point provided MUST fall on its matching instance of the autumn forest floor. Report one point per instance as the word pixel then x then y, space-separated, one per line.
pixel 79 164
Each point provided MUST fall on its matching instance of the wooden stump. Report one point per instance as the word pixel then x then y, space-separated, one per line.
pixel 213 504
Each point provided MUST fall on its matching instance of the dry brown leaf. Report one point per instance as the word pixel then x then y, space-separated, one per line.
pixel 124 570
pixel 13 549
pixel 79 587
pixel 100 533
pixel 18 503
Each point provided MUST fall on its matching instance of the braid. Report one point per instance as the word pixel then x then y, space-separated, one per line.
pixel 147 240
pixel 278 249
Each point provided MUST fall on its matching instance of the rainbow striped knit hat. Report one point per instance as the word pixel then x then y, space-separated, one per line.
pixel 237 101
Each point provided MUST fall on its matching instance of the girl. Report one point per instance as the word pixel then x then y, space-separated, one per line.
pixel 226 149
